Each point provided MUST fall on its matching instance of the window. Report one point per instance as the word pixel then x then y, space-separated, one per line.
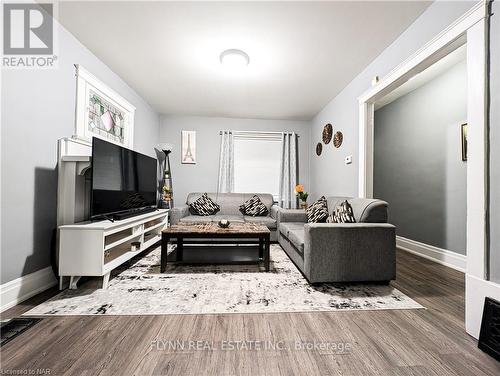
pixel 257 159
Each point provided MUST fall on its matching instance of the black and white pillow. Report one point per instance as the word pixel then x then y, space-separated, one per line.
pixel 254 207
pixel 342 214
pixel 204 206
pixel 318 211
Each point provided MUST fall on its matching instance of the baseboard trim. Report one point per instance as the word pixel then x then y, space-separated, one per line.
pixel 20 289
pixel 441 256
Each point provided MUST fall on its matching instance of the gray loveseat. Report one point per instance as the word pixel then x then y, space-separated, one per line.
pixel 230 205
pixel 341 252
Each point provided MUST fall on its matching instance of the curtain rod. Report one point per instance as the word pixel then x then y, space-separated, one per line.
pixel 260 132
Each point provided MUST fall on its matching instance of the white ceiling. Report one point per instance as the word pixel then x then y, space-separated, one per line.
pixel 435 70
pixel 301 53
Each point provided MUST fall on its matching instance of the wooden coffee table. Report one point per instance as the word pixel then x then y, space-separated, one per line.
pixel 238 233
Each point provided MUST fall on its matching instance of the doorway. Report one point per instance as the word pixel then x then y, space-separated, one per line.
pixel 420 160
pixel 470 30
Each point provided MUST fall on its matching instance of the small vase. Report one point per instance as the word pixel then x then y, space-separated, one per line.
pixel 303 205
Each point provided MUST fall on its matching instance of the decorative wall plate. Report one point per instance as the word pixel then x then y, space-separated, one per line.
pixel 337 139
pixel 319 148
pixel 327 133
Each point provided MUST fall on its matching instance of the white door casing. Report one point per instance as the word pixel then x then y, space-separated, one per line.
pixel 471 28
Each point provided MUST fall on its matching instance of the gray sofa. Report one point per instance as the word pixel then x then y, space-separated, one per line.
pixel 341 252
pixel 229 203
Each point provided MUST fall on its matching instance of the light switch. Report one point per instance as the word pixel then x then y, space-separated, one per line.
pixel 348 159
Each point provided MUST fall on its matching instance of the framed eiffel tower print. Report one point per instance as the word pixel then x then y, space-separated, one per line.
pixel 188 147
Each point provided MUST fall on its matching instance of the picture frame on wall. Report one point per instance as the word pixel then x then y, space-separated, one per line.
pixel 188 147
pixel 463 131
pixel 101 112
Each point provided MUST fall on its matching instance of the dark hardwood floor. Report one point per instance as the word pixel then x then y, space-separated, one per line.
pixel 397 342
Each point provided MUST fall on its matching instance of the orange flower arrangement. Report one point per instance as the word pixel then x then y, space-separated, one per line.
pixel 299 188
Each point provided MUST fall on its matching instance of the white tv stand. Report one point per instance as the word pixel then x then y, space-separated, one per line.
pixel 96 248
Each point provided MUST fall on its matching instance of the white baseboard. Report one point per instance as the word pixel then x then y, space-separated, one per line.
pixel 20 289
pixel 441 256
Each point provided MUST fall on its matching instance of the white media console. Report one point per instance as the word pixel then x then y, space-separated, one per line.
pixel 96 248
pixel 93 248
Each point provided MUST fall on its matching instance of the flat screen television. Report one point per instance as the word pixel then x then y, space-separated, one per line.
pixel 123 181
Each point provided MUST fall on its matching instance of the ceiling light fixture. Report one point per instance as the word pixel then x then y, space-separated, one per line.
pixel 234 59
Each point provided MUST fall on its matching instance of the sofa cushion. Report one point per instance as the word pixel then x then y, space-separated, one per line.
pixel 318 211
pixel 254 207
pixel 296 237
pixel 269 222
pixel 231 218
pixel 286 227
pixel 204 205
pixel 197 219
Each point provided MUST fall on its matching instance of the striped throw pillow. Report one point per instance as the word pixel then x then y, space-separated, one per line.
pixel 253 207
pixel 204 206
pixel 318 211
pixel 342 214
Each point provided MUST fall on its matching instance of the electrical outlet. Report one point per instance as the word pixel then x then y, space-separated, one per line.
pixel 348 159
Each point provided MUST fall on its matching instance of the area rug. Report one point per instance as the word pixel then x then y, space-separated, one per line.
pixel 140 289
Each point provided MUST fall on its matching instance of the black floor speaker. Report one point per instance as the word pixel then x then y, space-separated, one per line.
pixel 489 337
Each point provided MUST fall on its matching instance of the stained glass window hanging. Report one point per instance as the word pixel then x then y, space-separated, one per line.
pixel 105 119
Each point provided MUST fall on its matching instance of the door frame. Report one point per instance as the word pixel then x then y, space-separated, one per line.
pixel 471 29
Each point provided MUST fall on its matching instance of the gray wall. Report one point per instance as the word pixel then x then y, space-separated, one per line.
pixel 418 167
pixel 37 109
pixel 495 144
pixel 202 176
pixel 329 174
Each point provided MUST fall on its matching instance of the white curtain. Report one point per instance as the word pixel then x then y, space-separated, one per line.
pixel 288 170
pixel 226 162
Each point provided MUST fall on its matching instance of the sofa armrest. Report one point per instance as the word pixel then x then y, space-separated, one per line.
pixel 274 211
pixel 291 215
pixel 177 213
pixel 350 251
